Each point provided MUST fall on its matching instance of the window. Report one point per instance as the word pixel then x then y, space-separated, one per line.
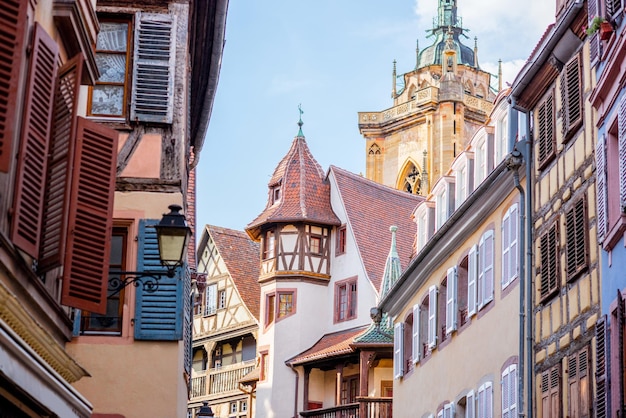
pixel 108 97
pixel 484 400
pixel 341 240
pixel 444 200
pixel 243 406
pixel 576 231
pixel 484 284
pixel 481 162
pixel 461 182
pixel 268 245
pixel 211 299
pixel 510 252
pixel 448 410
pixel 432 317
pixel 315 244
pixel 264 366
pixel 270 309
pixel 571 96
pixel 285 304
pixel 349 389
pixel 442 210
pixel 578 384
pixel 345 300
pixel 233 407
pixel 221 297
pixel 509 392
pixel 451 300
pixel 111 322
pixel 549 254
pixel 551 392
pixel 501 145
pixel 276 194
pixel 546 139
pixel 407 361
pixel 398 350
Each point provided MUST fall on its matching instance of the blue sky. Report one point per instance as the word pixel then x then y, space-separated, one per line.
pixel 335 58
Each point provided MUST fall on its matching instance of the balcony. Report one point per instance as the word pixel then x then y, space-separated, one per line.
pixel 220 380
pixel 365 407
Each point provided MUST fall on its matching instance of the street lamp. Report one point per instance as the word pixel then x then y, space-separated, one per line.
pixel 173 239
pixel 205 410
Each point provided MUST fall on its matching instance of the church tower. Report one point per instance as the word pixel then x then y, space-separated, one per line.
pixel 437 107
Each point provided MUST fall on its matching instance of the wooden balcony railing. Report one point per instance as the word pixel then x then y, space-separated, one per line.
pixel 220 380
pixel 365 407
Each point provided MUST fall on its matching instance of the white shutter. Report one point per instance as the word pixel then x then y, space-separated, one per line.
pixel 470 405
pixel 480 281
pixel 440 414
pixel 154 64
pixel 488 400
pixel 513 391
pixel 416 334
pixel 472 270
pixel 211 299
pixel 432 316
pixel 451 300
pixel 398 350
pixel 513 239
pixel 594 40
pixel 621 145
pixel 505 394
pixel 448 410
pixel 506 250
pixel 601 190
pixel 488 267
pixel 480 402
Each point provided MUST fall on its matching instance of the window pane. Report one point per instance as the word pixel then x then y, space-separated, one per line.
pixel 285 304
pixel 112 68
pixel 112 36
pixel 107 100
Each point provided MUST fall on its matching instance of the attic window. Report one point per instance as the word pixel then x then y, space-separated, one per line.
pixel 275 194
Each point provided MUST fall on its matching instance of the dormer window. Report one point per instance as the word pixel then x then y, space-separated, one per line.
pixel 268 245
pixel 276 194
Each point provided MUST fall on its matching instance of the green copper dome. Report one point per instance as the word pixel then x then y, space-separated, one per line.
pixel 447 20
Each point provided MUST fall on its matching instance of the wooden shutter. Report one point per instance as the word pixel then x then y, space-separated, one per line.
pixel 398 350
pixel 576 238
pixel 549 253
pixel 158 314
pixel 513 240
pixel 595 46
pixel 36 131
pixel 451 300
pixel 432 316
pixel 601 369
pixel 187 319
pixel 578 384
pixel 601 190
pixel 417 350
pixel 472 272
pixel 12 27
pixel 545 127
pixel 509 392
pixel 470 405
pixel 571 96
pixel 90 214
pixel 551 392
pixel 153 73
pixel 58 178
pixel 613 7
pixel 621 146
pixel 506 249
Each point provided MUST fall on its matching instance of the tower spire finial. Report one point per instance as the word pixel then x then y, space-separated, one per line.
pixel 393 76
pixel 499 74
pixel 475 51
pixel 300 123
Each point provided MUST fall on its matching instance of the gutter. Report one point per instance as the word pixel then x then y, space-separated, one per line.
pixel 528 73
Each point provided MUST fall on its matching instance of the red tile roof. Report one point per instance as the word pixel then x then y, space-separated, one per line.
pixel 241 256
pixel 330 345
pixel 305 193
pixel 371 209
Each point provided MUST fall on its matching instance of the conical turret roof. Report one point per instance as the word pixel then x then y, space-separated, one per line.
pixel 303 192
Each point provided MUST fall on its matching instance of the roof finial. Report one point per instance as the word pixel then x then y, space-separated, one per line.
pixel 475 51
pixel 499 75
pixel 300 123
pixel 393 76
pixel 417 53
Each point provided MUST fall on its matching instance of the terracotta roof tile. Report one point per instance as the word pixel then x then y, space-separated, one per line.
pixel 371 209
pixel 305 193
pixel 241 256
pixel 330 345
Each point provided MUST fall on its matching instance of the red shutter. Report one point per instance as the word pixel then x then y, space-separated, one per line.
pixel 85 274
pixel 36 131
pixel 621 145
pixel 12 25
pixel 58 179
pixel 601 191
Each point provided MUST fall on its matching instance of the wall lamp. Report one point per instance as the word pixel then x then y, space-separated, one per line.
pixel 205 410
pixel 173 235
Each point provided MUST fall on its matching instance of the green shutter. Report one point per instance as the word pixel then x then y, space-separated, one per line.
pixel 158 314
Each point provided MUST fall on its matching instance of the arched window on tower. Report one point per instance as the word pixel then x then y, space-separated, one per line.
pixel 412 179
pixel 375 163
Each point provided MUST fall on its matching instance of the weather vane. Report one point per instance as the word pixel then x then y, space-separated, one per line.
pixel 300 123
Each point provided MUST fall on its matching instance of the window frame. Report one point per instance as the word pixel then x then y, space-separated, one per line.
pixel 316 244
pixel 128 20
pixel 342 234
pixel 289 306
pixel 351 288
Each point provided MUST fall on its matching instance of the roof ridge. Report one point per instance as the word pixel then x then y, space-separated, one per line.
pixel 376 184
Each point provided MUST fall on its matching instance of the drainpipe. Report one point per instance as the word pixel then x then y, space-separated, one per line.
pixel 530 282
pixel 515 160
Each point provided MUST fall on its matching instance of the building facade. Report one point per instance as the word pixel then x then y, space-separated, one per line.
pixel 99 135
pixel 437 108
pixel 609 100
pixel 226 322
pixel 554 89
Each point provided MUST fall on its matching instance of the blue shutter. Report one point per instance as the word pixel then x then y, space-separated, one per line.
pixel 159 314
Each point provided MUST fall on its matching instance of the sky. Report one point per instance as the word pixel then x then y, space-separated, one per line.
pixel 335 59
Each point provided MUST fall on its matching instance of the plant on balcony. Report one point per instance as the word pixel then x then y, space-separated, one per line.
pixel 600 24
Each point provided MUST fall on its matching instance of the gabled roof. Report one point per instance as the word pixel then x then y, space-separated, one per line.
pixel 371 209
pixel 305 193
pixel 241 256
pixel 330 345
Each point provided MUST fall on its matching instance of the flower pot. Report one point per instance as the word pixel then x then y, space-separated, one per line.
pixel 605 30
